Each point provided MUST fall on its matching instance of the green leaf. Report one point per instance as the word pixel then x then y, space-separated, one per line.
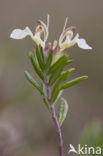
pixel 57 72
pixel 63 109
pixel 40 57
pixel 69 70
pixel 46 103
pixel 33 82
pixel 73 82
pixel 68 62
pixel 58 84
pixel 55 75
pixel 49 60
pixel 59 95
pixel 35 65
pixel 58 63
pixel 55 94
pixel 43 88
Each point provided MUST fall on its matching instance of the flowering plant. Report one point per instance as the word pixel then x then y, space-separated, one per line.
pixel 49 62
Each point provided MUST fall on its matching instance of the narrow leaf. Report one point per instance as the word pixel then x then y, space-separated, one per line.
pixel 57 72
pixel 68 62
pixel 55 94
pixel 63 109
pixel 73 82
pixel 40 57
pixel 58 84
pixel 60 61
pixel 33 82
pixel 55 75
pixel 49 60
pixel 69 70
pixel 46 103
pixel 43 88
pixel 59 95
pixel 35 65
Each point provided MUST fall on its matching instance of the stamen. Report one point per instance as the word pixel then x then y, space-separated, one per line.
pixel 38 21
pixel 74 28
pixel 45 28
pixel 66 20
pixel 40 28
pixel 69 35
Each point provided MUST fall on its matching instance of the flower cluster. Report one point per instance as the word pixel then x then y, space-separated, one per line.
pixel 66 39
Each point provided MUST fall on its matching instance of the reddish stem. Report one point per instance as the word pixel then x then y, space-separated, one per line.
pixel 58 130
pixel 54 117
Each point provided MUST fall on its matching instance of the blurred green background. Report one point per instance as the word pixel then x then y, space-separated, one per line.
pixel 26 128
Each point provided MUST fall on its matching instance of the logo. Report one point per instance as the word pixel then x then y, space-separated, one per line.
pixel 84 150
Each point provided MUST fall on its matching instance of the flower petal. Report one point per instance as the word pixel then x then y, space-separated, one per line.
pixel 20 34
pixel 83 44
pixel 76 37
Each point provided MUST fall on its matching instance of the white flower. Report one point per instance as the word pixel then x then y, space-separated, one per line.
pixel 42 28
pixel 66 41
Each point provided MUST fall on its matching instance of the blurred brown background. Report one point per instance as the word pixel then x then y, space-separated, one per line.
pixel 26 128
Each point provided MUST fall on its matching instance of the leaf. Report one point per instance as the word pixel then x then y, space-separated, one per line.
pixel 35 65
pixel 46 103
pixel 49 60
pixel 58 63
pixel 68 62
pixel 59 95
pixel 33 82
pixel 73 82
pixel 40 57
pixel 58 84
pixel 62 112
pixel 55 94
pixel 41 51
pixel 69 70
pixel 56 73
pixel 43 88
